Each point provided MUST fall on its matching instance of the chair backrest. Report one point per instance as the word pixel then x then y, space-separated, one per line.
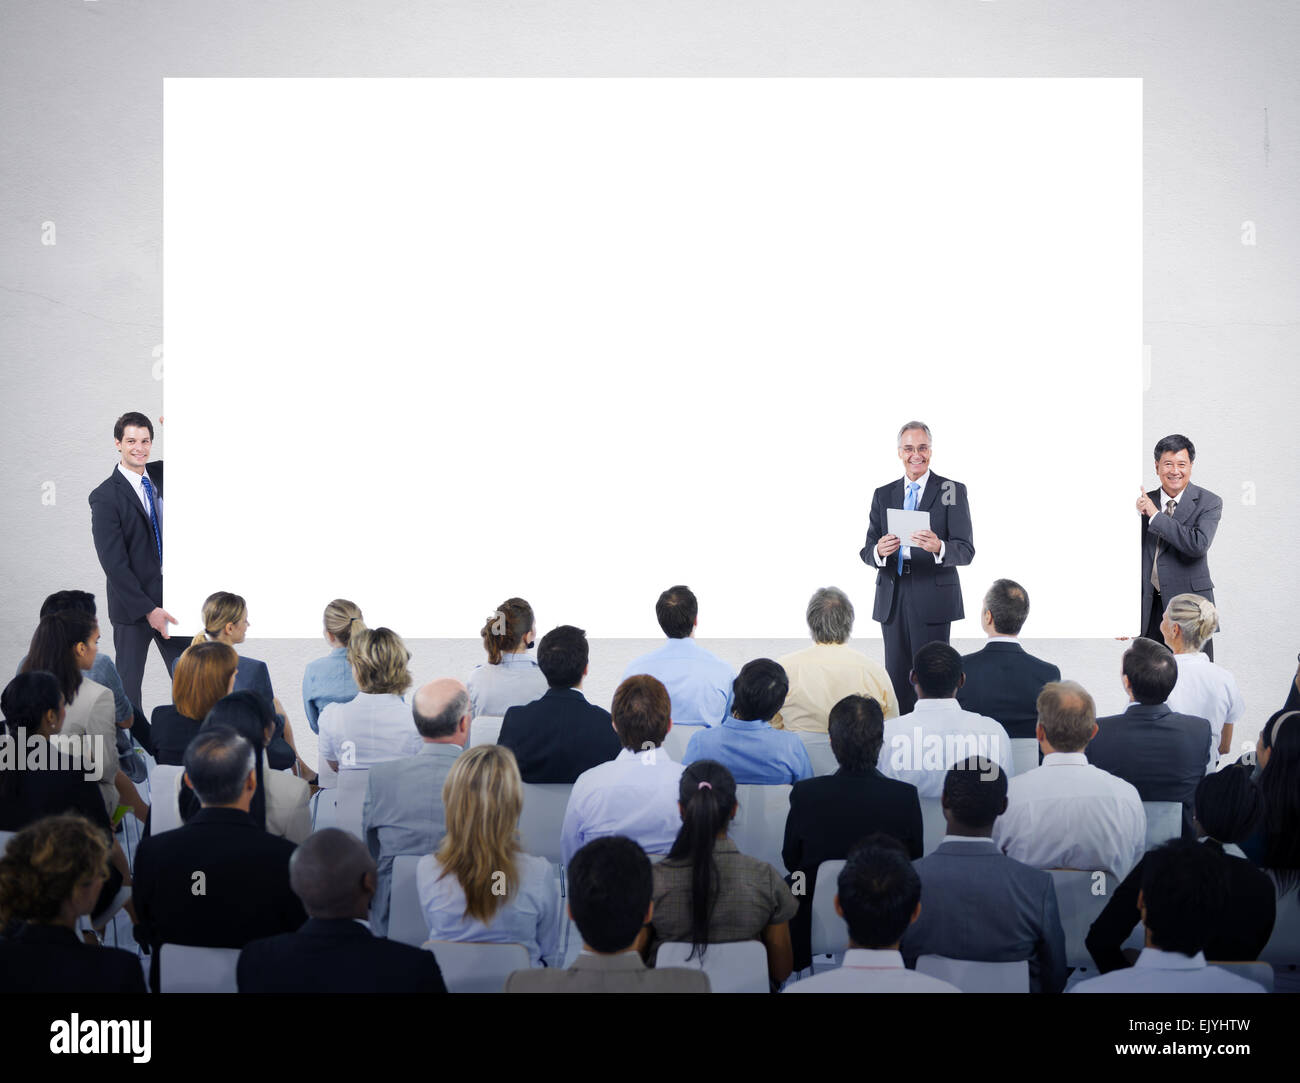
pixel 1081 895
pixel 819 751
pixel 183 968
pixel 1024 754
pixel 164 794
pixel 1283 947
pixel 678 738
pixel 405 917
pixel 1259 973
pixel 933 825
pixel 759 827
pixel 975 977
pixel 350 799
pixel 1164 821
pixel 830 932
pixel 485 729
pixel 477 968
pixel 740 967
pixel 542 820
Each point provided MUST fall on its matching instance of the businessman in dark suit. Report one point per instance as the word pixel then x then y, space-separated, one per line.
pixel 126 523
pixel 829 814
pixel 1003 679
pixel 334 876
pixel 1178 524
pixel 918 591
pixel 557 737
pixel 1162 754
pixel 979 903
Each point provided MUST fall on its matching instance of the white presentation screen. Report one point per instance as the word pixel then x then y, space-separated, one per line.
pixel 431 343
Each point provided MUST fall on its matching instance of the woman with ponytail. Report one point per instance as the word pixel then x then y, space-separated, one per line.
pixel 329 680
pixel 1204 689
pixel 510 678
pixel 1275 843
pixel 707 891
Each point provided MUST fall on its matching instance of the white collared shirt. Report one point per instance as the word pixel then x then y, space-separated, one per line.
pixel 1207 690
pixel 907 549
pixel 634 794
pixel 1068 814
pixel 967 838
pixel 372 728
pixel 1159 971
pixel 136 481
pixel 871 971
pixel 922 746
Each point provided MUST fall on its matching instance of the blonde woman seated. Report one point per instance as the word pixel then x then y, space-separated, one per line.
pixel 1204 688
pixel 329 680
pixel 480 886
pixel 511 677
pixel 376 725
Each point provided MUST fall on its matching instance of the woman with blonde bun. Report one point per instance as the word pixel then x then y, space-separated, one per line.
pixel 329 680
pixel 1204 688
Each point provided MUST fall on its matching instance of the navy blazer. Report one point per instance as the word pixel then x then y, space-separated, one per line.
pixel 125 545
pixel 1003 681
pixel 1185 540
pixel 53 959
pixel 559 736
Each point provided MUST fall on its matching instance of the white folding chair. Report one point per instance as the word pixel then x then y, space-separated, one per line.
pixel 350 799
pixel 976 977
pixel 541 822
pixel 119 900
pixel 830 932
pixel 165 784
pixel 485 730
pixel 679 737
pixel 183 968
pixel 477 968
pixel 405 917
pixel 933 825
pixel 740 967
pixel 1079 904
pixel 759 827
pixel 819 752
pixel 1024 754
pixel 1259 973
pixel 1283 947
pixel 1164 821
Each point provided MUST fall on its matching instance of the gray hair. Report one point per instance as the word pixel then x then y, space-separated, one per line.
pixel 218 762
pixel 1195 616
pixel 830 615
pixel 915 425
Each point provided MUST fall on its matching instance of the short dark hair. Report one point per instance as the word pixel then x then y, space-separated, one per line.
pixel 131 417
pixel 1229 803
pixel 1151 671
pixel 642 712
pixel 676 611
pixel 444 723
pixel 975 792
pixel 562 656
pixel 68 599
pixel 937 668
pixel 610 887
pixel 1008 605
pixel 217 762
pixel 759 690
pixel 878 891
pixel 857 730
pixel 1185 891
pixel 1176 443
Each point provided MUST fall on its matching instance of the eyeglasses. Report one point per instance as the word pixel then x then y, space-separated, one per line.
pixel 924 449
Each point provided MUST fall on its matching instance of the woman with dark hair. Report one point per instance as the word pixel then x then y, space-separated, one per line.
pixel 707 891
pixel 1275 843
pixel 509 678
pixel 1229 806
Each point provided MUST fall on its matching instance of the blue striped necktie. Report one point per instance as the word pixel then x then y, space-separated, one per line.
pixel 153 514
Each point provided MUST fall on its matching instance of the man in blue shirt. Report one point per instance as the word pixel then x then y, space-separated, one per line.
pixel 746 744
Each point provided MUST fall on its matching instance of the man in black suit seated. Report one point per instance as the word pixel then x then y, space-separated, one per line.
pixel 831 813
pixel 1003 680
pixel 334 876
pixel 220 880
pixel 559 736
pixel 1161 753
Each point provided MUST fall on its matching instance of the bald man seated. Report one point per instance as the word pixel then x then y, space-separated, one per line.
pixel 335 952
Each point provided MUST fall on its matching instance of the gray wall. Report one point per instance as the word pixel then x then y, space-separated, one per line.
pixel 81 320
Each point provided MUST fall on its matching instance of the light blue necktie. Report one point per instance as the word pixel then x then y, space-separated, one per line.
pixel 153 514
pixel 909 504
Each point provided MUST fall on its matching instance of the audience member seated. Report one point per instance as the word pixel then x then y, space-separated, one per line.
pixel 828 815
pixel 708 892
pixel 376 725
pixel 52 872
pixel 202 675
pixel 403 812
pixel 329 680
pixel 980 904
pixel 1228 807
pixel 479 885
pixel 634 794
pixel 610 900
pixel 1182 901
pixel 828 671
pixel 921 746
pixel 1204 688
pixel 1162 753
pixel 243 871
pixel 1003 679
pixel 510 678
pixel 335 951
pixel 557 737
pixel 879 896
pixel 1275 842
pixel 746 744
pixel 699 683
pixel 1068 813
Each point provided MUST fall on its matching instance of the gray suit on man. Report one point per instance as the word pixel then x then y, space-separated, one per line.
pixel 403 814
pixel 621 973
pixel 1184 539
pixel 977 903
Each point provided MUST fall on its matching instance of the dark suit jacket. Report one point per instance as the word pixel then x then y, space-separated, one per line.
pixel 1185 541
pixel 559 736
pixel 937 588
pixel 827 816
pixel 125 545
pixel 172 732
pixel 1003 681
pixel 52 959
pixel 336 955
pixel 1163 754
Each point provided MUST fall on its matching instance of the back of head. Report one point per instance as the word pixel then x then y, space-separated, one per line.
pixel 380 661
pixel 52 646
pixel 45 862
pixel 328 872
pixel 642 712
pixel 1008 604
pixel 1195 617
pixel 707 792
pixel 201 677
pixel 975 793
pixel 1279 781
pixel 937 670
pixel 562 656
pixel 482 798
pixel 1185 891
pixel 1229 804
pixel 218 762
pixel 27 699
pixel 250 716
pixel 342 618
pixel 830 615
pixel 759 690
pixel 1067 714
pixel 878 892
pixel 857 730
pixel 506 628
pixel 676 611
pixel 1151 671
pixel 610 887
pixel 68 599
pixel 220 609
pixel 438 708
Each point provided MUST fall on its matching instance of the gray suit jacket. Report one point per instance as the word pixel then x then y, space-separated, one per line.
pixel 403 814
pixel 623 973
pixel 1184 542
pixel 977 903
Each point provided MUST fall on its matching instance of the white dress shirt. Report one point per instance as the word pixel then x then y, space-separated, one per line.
pixel 1068 814
pixel 373 728
pixel 869 971
pixel 907 549
pixel 1207 690
pixel 634 794
pixel 1159 971
pixel 137 483
pixel 922 746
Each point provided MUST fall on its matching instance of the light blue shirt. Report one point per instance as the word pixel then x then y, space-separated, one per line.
pixel 327 680
pixel 752 751
pixel 513 682
pixel 699 683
